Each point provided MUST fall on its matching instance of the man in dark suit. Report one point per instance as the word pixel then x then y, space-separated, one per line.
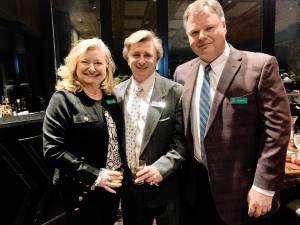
pixel 154 133
pixel 237 123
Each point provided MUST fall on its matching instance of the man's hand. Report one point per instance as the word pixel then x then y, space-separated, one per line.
pixel 149 174
pixel 258 204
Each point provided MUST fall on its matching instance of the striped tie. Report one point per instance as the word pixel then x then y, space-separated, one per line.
pixel 204 110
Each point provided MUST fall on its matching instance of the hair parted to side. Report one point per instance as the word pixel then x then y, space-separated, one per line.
pixel 200 6
pixel 139 36
pixel 67 78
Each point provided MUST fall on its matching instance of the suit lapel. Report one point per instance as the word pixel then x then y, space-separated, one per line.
pixel 229 72
pixel 188 91
pixel 154 112
pixel 121 92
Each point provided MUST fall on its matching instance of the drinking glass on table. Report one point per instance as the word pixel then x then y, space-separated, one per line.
pixel 140 166
pixel 297 144
pixel 293 120
pixel 297 140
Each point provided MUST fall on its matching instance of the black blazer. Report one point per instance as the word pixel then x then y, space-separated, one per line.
pixel 75 137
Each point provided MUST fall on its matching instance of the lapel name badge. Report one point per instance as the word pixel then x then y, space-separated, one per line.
pixel 238 100
pixel 111 101
pixel 158 104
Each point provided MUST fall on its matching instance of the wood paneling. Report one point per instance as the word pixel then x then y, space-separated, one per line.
pixel 25 12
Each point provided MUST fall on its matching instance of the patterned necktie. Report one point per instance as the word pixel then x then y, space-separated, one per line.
pixel 132 118
pixel 204 110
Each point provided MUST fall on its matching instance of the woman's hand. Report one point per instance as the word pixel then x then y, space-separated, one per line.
pixel 109 180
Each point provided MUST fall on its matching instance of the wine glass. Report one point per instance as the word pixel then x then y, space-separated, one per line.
pixel 297 141
pixel 297 144
pixel 293 120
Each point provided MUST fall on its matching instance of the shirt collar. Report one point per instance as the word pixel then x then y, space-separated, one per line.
pixel 218 64
pixel 146 85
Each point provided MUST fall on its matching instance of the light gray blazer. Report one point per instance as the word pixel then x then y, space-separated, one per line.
pixel 163 143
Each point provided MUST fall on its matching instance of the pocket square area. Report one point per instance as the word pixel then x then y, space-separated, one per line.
pixel 164 119
pixel 161 104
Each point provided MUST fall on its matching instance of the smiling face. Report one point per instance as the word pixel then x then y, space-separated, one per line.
pixel 142 58
pixel 91 68
pixel 206 33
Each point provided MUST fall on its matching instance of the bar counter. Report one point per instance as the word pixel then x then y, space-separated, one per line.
pixel 26 189
pixel 22 119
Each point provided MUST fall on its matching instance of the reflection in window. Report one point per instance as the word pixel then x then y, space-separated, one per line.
pixel 127 17
pixel 243 20
pixel 73 20
pixel 287 37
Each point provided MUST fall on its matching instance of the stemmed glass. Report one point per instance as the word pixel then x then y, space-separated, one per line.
pixel 297 141
pixel 297 144
pixel 294 118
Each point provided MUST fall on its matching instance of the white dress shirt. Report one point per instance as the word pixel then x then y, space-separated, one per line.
pixel 217 67
pixel 144 98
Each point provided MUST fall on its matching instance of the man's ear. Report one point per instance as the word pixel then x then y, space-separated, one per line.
pixel 224 27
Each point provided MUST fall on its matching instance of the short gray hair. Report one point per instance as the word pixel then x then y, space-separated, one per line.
pixel 200 6
pixel 139 36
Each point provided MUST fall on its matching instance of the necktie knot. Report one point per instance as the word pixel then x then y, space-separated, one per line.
pixel 138 91
pixel 207 69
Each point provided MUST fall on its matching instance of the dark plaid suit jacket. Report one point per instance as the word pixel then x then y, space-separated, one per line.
pixel 245 143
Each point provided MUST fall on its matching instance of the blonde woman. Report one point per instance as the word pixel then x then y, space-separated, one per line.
pixel 82 135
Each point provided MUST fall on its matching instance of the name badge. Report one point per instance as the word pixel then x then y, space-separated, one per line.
pixel 239 100
pixel 111 101
pixel 158 104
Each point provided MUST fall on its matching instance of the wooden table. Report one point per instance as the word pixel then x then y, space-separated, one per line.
pixel 290 172
pixel 292 177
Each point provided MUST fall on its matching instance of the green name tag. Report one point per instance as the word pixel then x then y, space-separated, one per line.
pixel 238 100
pixel 111 101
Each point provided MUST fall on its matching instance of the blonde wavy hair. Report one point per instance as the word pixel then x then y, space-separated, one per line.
pixel 139 36
pixel 67 78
